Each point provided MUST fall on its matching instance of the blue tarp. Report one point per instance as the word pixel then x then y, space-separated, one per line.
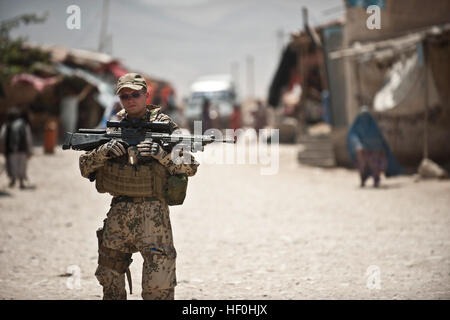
pixel 366 3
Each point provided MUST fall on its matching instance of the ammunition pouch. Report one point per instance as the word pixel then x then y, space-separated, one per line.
pixel 114 259
pixel 176 189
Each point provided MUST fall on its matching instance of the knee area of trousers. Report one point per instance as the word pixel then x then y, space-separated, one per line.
pixel 159 272
pixel 106 275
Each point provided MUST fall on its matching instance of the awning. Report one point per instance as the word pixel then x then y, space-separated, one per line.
pixel 37 82
pixel 117 69
pixel 106 97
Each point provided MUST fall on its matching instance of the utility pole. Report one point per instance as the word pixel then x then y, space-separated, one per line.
pixel 235 73
pixel 103 31
pixel 250 76
pixel 425 66
pixel 305 17
pixel 280 40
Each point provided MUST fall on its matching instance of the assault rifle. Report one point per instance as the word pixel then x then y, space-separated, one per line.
pixel 132 132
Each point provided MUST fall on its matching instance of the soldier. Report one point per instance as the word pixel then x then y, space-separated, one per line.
pixel 138 219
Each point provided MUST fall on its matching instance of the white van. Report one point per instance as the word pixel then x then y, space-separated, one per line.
pixel 220 91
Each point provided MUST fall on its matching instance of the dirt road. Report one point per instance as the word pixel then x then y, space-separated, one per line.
pixel 304 233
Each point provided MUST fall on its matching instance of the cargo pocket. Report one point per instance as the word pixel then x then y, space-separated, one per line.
pixel 159 271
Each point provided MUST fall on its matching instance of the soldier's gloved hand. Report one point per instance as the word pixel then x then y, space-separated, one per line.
pixel 112 149
pixel 151 149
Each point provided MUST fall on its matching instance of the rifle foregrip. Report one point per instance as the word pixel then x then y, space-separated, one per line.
pixel 67 141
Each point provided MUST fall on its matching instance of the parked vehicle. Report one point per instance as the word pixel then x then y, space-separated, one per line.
pixel 220 91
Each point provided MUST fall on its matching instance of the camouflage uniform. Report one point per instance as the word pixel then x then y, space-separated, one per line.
pixel 139 224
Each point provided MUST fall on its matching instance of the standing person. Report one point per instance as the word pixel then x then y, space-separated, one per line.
pixel 138 219
pixel 369 150
pixel 17 144
pixel 235 118
pixel 69 107
pixel 206 119
pixel 259 116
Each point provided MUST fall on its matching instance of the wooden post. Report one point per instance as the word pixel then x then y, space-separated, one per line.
pixel 104 26
pixel 250 77
pixel 425 133
pixel 358 84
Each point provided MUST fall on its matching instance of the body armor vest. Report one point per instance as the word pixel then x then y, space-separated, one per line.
pixel 119 178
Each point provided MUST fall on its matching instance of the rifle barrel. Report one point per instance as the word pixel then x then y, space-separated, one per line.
pixel 99 131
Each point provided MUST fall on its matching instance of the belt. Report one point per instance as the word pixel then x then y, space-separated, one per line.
pixel 117 199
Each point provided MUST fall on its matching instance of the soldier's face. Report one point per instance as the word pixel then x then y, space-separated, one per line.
pixel 134 102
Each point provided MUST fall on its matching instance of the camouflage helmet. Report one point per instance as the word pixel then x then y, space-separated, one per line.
pixel 132 80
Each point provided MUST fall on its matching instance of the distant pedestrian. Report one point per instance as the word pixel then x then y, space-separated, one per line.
pixel 369 150
pixel 235 118
pixel 206 119
pixel 259 116
pixel 69 106
pixel 16 144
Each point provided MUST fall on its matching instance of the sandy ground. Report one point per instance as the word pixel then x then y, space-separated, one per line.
pixel 304 233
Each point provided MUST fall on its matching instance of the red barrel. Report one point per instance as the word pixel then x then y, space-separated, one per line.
pixel 50 135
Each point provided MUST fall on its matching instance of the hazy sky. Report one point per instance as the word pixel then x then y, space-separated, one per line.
pixel 180 40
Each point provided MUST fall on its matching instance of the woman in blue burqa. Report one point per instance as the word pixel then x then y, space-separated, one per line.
pixel 368 149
